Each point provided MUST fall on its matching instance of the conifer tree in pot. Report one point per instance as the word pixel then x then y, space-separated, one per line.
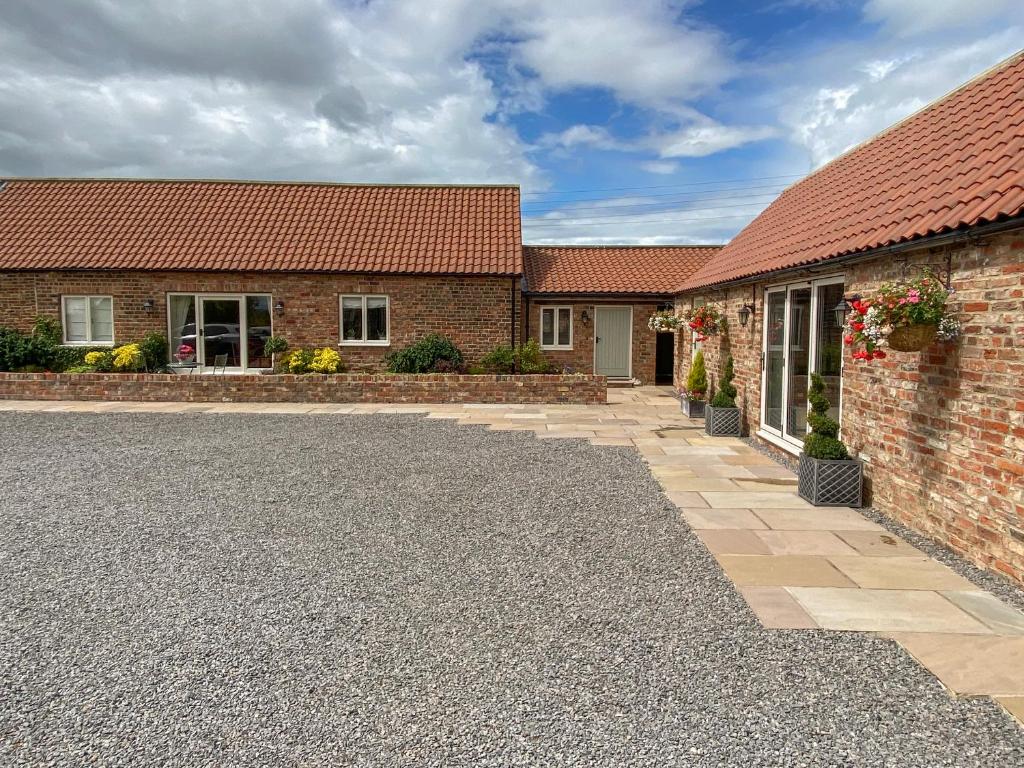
pixel 722 417
pixel 691 399
pixel 828 476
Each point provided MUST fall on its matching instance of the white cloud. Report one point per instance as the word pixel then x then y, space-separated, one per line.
pixel 864 97
pixel 907 18
pixel 661 167
pixel 593 136
pixel 645 53
pixel 709 138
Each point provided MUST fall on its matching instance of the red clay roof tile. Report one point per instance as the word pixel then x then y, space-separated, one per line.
pixel 228 225
pixel 612 269
pixel 955 164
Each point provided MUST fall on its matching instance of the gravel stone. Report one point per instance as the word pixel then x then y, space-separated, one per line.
pixel 257 590
pixel 998 585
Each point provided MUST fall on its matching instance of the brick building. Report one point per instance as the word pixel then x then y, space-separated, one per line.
pixel 941 432
pixel 219 266
pixel 588 306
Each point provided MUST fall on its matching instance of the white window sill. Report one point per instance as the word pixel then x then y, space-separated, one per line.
pixel 778 442
pixel 88 344
pixel 556 348
pixel 364 344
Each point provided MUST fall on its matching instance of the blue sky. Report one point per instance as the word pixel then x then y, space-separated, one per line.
pixel 648 121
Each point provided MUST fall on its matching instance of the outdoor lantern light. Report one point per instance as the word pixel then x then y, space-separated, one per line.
pixel 148 305
pixel 279 307
pixel 843 308
pixel 585 317
pixel 744 314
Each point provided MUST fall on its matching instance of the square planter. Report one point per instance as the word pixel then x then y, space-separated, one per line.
pixel 828 483
pixel 722 422
pixel 694 409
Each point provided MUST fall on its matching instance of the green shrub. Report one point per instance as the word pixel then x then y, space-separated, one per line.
pixel 501 359
pixel 154 349
pixel 426 356
pixel 530 359
pixel 15 349
pixel 697 379
pixel 823 441
pixel 80 369
pixel 725 397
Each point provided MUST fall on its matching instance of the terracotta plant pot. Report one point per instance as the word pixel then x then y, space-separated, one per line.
pixel 912 338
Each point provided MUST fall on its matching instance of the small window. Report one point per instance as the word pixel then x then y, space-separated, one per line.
pixel 364 320
pixel 88 320
pixel 556 327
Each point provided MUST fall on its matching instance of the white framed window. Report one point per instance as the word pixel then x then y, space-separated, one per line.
pixel 88 319
pixel 365 320
pixel 556 327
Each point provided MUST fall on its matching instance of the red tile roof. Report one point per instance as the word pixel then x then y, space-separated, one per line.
pixel 234 225
pixel 957 163
pixel 612 269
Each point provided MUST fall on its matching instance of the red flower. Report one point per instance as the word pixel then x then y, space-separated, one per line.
pixel 879 354
pixel 692 324
pixel 860 354
pixel 848 340
pixel 857 326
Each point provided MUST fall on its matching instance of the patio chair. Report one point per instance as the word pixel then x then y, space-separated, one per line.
pixel 220 362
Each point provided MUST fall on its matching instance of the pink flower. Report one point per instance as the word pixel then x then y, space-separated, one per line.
pixel 913 297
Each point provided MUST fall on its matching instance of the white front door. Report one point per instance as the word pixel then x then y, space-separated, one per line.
pixel 613 328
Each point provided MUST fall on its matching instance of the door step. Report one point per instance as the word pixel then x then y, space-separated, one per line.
pixel 619 382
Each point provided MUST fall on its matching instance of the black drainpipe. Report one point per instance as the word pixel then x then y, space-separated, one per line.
pixel 512 337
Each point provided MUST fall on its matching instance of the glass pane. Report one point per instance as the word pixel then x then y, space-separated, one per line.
pixel 101 317
pixel 564 321
pixel 352 318
pixel 547 327
pixel 799 361
pixel 829 344
pixel 774 359
pixel 75 322
pixel 257 330
pixel 182 311
pixel 221 332
pixel 376 318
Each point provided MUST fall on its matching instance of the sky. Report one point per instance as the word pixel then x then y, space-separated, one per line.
pixel 647 121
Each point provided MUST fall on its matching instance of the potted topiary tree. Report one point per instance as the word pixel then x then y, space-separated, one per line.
pixel 722 417
pixel 691 399
pixel 828 476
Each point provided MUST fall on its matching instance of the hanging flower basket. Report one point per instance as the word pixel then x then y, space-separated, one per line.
pixel 906 317
pixel 703 321
pixel 664 322
pixel 912 338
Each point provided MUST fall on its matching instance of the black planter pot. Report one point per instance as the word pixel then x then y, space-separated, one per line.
pixel 722 422
pixel 694 409
pixel 828 483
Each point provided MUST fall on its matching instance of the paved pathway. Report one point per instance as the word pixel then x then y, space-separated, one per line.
pixel 797 566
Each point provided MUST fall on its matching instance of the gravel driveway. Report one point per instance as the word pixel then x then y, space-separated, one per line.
pixel 391 590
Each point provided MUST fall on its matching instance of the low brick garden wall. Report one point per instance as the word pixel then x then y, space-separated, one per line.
pixel 339 388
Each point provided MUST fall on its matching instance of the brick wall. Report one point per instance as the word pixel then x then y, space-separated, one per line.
pixel 476 312
pixel 941 432
pixel 581 357
pixel 342 388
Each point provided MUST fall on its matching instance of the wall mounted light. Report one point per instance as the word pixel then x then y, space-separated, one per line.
pixel 585 316
pixel 148 305
pixel 843 309
pixel 279 307
pixel 744 314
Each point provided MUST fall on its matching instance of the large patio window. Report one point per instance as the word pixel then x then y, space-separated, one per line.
pixel 88 319
pixel 800 337
pixel 218 330
pixel 364 320
pixel 556 327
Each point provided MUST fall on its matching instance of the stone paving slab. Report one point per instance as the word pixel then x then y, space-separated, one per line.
pixel 885 610
pixel 989 666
